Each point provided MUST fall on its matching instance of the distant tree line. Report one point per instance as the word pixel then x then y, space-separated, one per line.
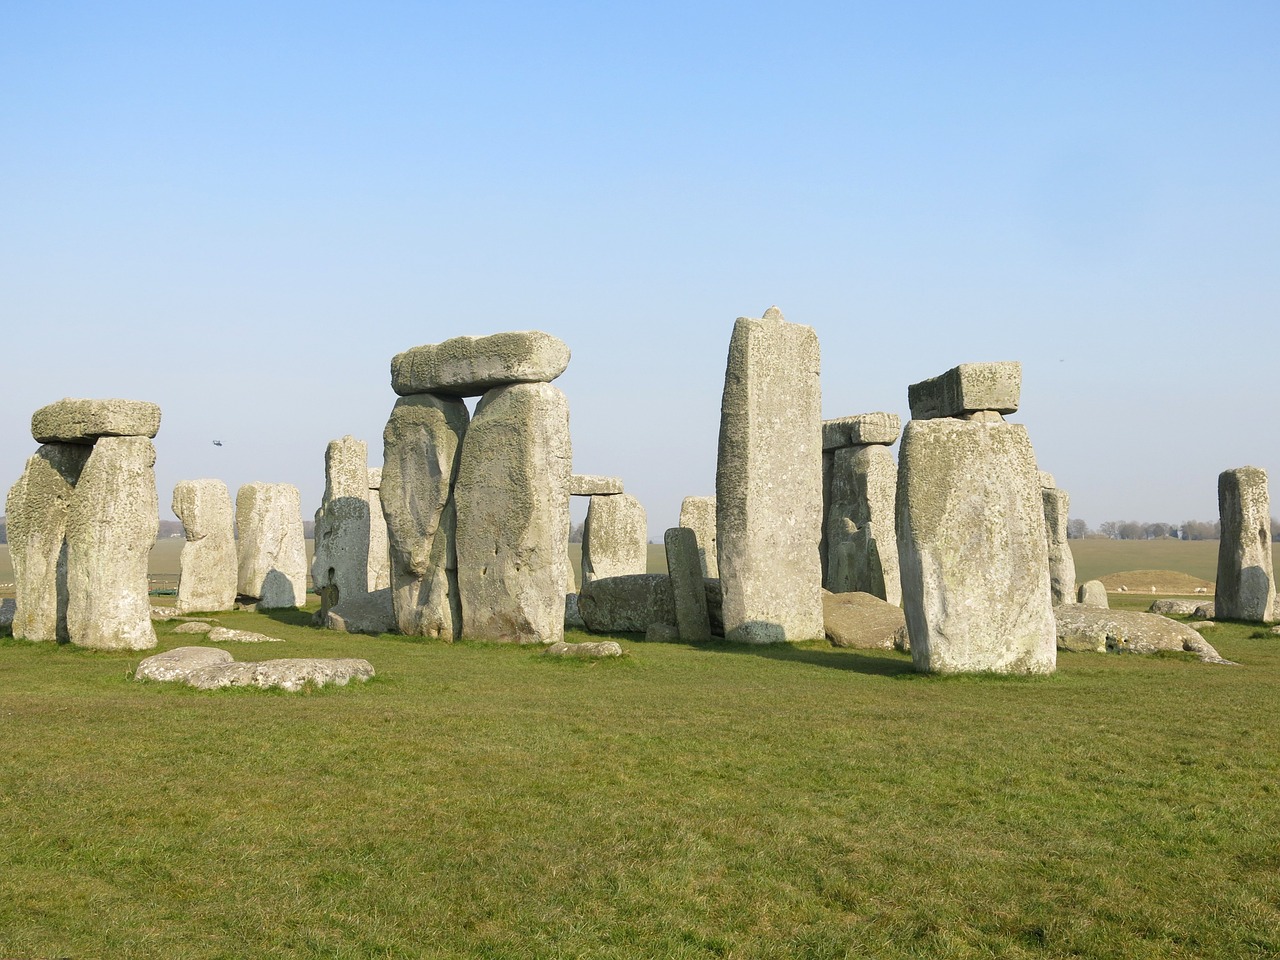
pixel 1078 529
pixel 173 528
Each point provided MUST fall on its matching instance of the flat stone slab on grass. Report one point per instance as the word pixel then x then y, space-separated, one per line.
pixel 193 626
pixel 84 421
pixel 227 635
pixel 1093 630
pixel 208 668
pixel 1177 607
pixel 180 662
pixel 469 366
pixel 598 648
pixel 860 620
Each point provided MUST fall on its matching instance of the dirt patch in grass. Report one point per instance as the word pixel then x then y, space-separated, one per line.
pixel 1163 581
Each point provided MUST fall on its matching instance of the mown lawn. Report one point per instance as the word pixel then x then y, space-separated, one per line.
pixel 486 801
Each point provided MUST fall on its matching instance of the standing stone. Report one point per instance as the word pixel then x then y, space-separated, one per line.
pixel 379 550
pixel 422 444
pixel 769 483
pixel 207 580
pixel 971 544
pixel 340 565
pixel 862 549
pixel 699 515
pixel 614 538
pixel 685 569
pixel 111 528
pixel 36 513
pixel 271 549
pixel 1246 588
pixel 512 497
pixel 1062 565
pixel 1093 593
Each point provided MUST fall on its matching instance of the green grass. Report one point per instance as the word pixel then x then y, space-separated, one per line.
pixel 484 801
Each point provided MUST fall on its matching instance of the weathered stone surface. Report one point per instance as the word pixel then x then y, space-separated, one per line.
pixel 422 443
pixel 208 563
pixel 662 633
pixel 179 663
pixel 471 366
pixel 769 483
pixel 572 618
pixel 84 421
pixel 1205 611
pixel 111 528
pixel 371 613
pixel 193 626
pixel 593 485
pixel 862 428
pixel 512 496
pixel 340 564
pixel 966 389
pixel 972 550
pixel 699 515
pixel 291 674
pixel 591 648
pixel 614 538
pixel 1176 607
pixel 689 595
pixel 1093 593
pixel 228 635
pixel 1087 629
pixel 1062 565
pixel 1046 481
pixel 271 550
pixel 627 604
pixel 379 546
pixel 1246 587
pixel 36 514
pixel 8 607
pixel 860 620
pixel 862 550
pixel 1201 625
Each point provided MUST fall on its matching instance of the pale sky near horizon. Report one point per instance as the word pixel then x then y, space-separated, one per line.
pixel 242 211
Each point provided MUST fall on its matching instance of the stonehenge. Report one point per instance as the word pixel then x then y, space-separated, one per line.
pixel 615 537
pixel 208 564
pixel 769 483
pixel 1246 587
pixel 1062 566
pixel 687 589
pixel 859 492
pixel 271 552
pixel 971 529
pixel 699 515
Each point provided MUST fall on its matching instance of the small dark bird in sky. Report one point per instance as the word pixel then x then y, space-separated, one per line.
pixel 217 443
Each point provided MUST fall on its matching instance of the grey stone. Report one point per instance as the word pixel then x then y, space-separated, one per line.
pixel 36 512
pixel 972 550
pixel 84 421
pixel 662 633
pixel 699 515
pixel 1182 608
pixel 572 618
pixel 379 577
pixel 769 483
pixel 860 429
pixel 967 389
pixel 1246 587
pixel 688 592
pixel 111 528
pixel 291 675
pixel 422 443
pixel 627 604
pixel 860 620
pixel 1201 625
pixel 1090 630
pixel 593 485
pixel 8 607
pixel 614 538
pixel 1205 611
pixel 512 497
pixel 271 550
pixel 1093 593
pixel 596 648
pixel 370 613
pixel 228 635
pixel 179 663
pixel 208 564
pixel 193 626
pixel 1062 565
pixel 1046 481
pixel 340 564
pixel 862 551
pixel 471 366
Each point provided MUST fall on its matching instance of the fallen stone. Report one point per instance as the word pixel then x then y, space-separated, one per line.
pixel 594 485
pixel 1205 611
pixel 179 663
pixel 1176 607
pixel 1199 625
pixel 208 563
pixel 371 613
pixel 227 635
pixel 290 675
pixel 1090 630
pixel 84 421
pixel 471 366
pixel 627 604
pixel 614 538
pixel 596 648
pixel 271 551
pixel 860 620
pixel 862 428
pixel 967 389
pixel 1245 587
pixel 699 515
pixel 193 626
pixel 1093 593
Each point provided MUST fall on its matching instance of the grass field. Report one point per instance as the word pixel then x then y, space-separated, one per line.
pixel 485 801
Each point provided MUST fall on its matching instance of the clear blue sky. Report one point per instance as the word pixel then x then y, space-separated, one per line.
pixel 240 211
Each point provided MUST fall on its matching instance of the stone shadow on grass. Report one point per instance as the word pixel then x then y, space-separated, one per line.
pixel 293 616
pixel 855 661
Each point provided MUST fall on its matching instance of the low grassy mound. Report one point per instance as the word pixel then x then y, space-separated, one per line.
pixel 1164 581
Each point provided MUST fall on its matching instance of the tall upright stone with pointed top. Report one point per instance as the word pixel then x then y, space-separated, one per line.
pixel 207 580
pixel 270 547
pixel 699 515
pixel 769 483
pixel 615 537
pixel 340 565
pixel 1246 588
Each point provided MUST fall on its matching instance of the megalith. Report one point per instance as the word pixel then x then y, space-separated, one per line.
pixel 36 511
pixel 1093 593
pixel 208 564
pixel 615 537
pixel 422 444
pixel 271 550
pixel 470 366
pixel 971 529
pixel 1245 588
pixel 340 564
pixel 860 490
pixel 379 550
pixel 687 587
pixel 699 515
pixel 512 497
pixel 111 528
pixel 769 483
pixel 1062 565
